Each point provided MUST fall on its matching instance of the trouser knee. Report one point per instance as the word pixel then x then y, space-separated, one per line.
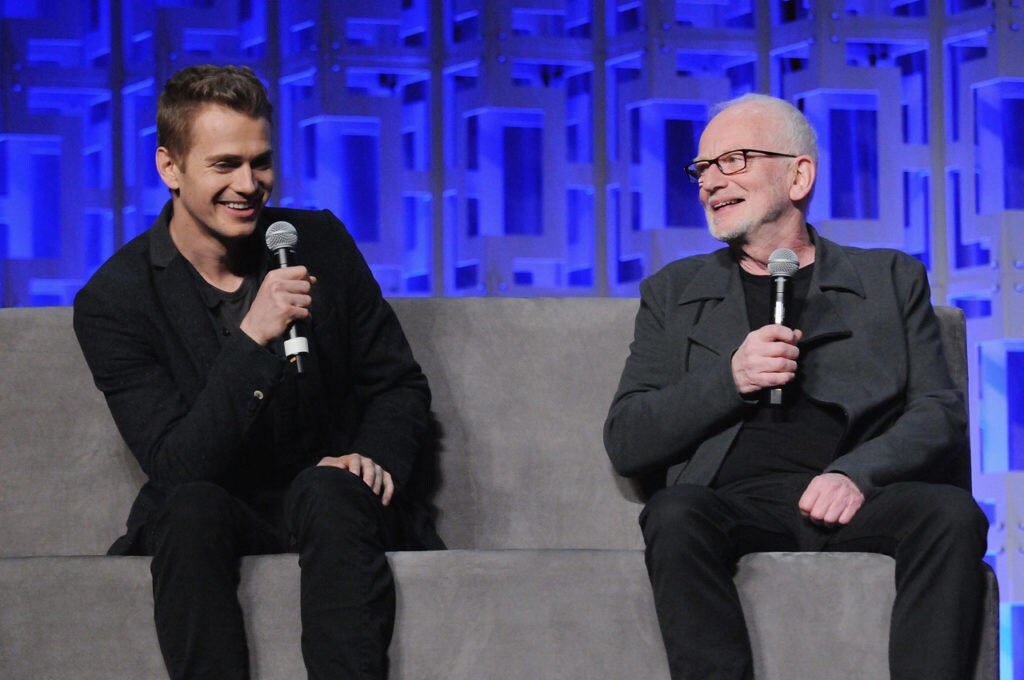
pixel 682 515
pixel 194 515
pixel 329 501
pixel 686 530
pixel 952 518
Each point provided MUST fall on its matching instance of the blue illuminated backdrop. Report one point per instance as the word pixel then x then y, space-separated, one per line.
pixel 535 147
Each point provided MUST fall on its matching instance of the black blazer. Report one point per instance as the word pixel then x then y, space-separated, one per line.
pixel 192 407
pixel 878 356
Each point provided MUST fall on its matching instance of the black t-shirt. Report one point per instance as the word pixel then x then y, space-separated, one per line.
pixel 798 436
pixel 227 308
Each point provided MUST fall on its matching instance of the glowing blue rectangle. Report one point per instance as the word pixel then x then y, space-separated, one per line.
pixel 523 180
pixel 854 186
pixel 1002 405
pixel 1013 152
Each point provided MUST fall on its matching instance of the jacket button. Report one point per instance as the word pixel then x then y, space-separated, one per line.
pixel 258 394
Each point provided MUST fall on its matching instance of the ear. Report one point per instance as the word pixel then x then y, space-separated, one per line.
pixel 168 168
pixel 803 179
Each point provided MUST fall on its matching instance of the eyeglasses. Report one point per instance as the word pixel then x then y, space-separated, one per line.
pixel 729 163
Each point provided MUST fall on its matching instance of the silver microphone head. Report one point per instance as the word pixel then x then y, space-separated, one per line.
pixel 281 235
pixel 783 262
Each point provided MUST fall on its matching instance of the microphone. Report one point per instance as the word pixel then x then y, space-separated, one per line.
pixel 782 264
pixel 281 239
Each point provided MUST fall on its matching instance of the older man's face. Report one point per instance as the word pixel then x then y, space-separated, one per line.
pixel 738 205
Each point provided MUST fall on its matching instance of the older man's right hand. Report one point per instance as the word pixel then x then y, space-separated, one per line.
pixel 767 358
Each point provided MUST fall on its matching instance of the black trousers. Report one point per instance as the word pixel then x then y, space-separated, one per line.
pixel 695 535
pixel 338 527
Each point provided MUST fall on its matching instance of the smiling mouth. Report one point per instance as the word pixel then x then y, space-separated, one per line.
pixel 238 205
pixel 725 204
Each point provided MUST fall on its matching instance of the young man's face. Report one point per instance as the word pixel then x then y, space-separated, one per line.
pixel 225 177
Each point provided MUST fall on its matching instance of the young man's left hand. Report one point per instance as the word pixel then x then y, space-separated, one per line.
pixel 376 477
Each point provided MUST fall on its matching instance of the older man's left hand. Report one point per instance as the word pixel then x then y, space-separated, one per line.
pixel 831 498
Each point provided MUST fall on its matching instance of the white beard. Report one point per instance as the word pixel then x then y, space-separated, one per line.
pixel 736 233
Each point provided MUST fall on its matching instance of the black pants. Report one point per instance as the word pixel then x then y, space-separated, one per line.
pixel 335 523
pixel 695 536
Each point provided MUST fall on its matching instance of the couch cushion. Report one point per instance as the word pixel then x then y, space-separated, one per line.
pixel 521 389
pixel 68 479
pixel 462 615
pixel 467 615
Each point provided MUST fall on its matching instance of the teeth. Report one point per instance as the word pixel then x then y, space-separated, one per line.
pixel 237 206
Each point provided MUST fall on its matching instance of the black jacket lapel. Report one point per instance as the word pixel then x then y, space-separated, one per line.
pixel 724 318
pixel 183 306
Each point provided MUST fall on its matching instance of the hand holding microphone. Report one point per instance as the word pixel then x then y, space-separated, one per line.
pixel 767 358
pixel 283 298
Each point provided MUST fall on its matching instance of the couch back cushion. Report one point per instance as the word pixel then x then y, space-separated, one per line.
pixel 66 477
pixel 520 390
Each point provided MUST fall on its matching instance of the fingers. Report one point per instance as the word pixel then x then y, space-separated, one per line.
pixel 284 296
pixel 373 475
pixel 779 332
pixel 767 358
pixel 291 290
pixel 363 467
pixel 831 499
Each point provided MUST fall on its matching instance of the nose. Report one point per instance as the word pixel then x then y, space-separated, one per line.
pixel 712 179
pixel 247 180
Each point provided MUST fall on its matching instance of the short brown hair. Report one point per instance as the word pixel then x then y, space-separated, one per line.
pixel 191 88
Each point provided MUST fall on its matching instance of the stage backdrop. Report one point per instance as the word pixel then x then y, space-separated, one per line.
pixel 536 147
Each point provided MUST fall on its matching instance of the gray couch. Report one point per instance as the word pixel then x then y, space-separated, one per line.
pixel 545 577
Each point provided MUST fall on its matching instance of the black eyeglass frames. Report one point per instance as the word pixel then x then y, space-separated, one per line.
pixel 729 163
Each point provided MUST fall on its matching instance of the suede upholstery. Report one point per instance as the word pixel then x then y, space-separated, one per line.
pixel 545 575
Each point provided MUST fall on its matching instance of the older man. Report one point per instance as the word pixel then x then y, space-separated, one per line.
pixel 841 462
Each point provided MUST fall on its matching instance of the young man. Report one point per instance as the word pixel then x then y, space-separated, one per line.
pixel 182 329
pixel 867 416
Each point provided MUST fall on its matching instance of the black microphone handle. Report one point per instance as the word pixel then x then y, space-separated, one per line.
pixel 284 258
pixel 294 336
pixel 781 290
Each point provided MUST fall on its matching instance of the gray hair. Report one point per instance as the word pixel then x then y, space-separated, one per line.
pixel 797 129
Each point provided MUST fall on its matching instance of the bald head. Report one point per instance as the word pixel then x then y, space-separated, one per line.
pixel 780 124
